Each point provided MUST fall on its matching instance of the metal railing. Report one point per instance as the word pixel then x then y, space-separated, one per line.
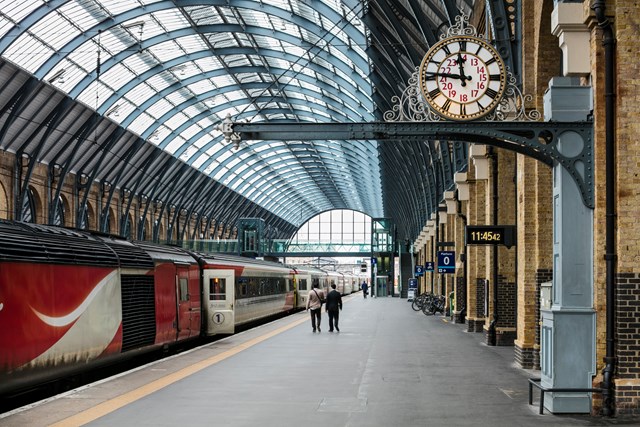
pixel 535 382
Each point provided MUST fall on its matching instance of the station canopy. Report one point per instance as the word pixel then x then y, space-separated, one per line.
pixel 168 72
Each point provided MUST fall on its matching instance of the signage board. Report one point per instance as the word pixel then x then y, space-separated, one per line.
pixel 419 270
pixel 413 284
pixel 446 262
pixel 491 235
pixel 428 266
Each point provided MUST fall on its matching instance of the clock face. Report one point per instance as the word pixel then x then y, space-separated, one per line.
pixel 462 78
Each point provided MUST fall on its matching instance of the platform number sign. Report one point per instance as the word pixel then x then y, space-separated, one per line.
pixel 428 266
pixel 446 262
pixel 419 270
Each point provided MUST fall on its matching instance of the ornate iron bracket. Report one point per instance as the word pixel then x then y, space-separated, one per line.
pixel 569 144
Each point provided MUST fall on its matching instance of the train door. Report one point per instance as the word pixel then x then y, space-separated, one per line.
pixel 183 304
pixel 219 299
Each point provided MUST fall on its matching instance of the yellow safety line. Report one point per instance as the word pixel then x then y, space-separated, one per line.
pixel 111 405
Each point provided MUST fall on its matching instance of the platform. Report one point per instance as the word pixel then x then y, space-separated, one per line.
pixel 389 366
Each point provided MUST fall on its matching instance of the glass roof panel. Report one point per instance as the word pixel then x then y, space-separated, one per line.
pixel 182 81
pixel 29 52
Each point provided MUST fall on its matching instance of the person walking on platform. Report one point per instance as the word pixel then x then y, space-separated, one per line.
pixel 334 306
pixel 364 289
pixel 315 300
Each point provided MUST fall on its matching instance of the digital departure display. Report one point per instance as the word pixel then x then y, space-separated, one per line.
pixel 491 235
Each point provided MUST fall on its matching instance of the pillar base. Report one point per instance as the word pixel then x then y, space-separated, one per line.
pixel 475 325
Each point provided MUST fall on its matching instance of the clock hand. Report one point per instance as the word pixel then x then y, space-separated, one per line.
pixel 453 76
pixel 461 67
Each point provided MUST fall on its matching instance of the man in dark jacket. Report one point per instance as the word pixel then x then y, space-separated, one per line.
pixel 334 305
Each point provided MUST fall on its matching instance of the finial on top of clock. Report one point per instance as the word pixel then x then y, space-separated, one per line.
pixel 461 27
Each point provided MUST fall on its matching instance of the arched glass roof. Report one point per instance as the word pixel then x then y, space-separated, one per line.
pixel 167 72
pixel 171 71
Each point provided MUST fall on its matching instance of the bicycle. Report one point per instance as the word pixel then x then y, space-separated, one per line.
pixel 435 304
pixel 420 301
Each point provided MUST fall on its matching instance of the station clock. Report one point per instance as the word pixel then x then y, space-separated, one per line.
pixel 462 78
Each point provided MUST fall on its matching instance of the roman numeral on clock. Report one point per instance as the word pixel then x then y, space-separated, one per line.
pixel 434 93
pixel 491 93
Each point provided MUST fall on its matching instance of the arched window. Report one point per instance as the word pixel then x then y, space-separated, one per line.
pixel 29 206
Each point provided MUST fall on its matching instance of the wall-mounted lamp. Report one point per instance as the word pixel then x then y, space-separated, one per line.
pixel 155 135
pixel 114 111
pixel 58 76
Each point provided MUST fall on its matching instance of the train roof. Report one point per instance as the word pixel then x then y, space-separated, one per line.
pixel 26 242
pixel 218 258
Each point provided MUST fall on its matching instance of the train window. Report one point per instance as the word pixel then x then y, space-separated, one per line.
pixel 184 289
pixel 303 285
pixel 217 289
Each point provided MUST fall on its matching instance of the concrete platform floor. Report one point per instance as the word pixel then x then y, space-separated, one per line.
pixel 389 366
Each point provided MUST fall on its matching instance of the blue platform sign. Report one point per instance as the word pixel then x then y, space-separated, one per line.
pixel 419 270
pixel 428 266
pixel 413 284
pixel 374 261
pixel 446 262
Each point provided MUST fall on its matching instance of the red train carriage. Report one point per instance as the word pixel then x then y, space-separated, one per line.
pixel 70 301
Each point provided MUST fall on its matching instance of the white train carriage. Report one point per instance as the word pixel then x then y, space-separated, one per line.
pixel 239 290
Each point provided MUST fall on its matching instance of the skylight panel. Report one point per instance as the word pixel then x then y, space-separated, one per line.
pixel 142 123
pixel 220 40
pixel 174 145
pixel 178 97
pixel 256 18
pixel 120 110
pixel 171 19
pixel 95 90
pixel 282 4
pixel 211 152
pixel 188 153
pixel 116 7
pixel 236 60
pixel 277 63
pixel 209 63
pixel 65 75
pixel 138 64
pixel 54 30
pixel 117 76
pixel 28 52
pixel 176 120
pixel 84 16
pixel 141 93
pixel 5 25
pixel 223 81
pixel 201 86
pixel 18 10
pixel 200 160
pixel 192 44
pixel 248 77
pixel 166 51
pixel 208 123
pixel 204 15
pixel 192 111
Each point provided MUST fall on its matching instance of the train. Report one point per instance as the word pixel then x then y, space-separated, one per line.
pixel 73 300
